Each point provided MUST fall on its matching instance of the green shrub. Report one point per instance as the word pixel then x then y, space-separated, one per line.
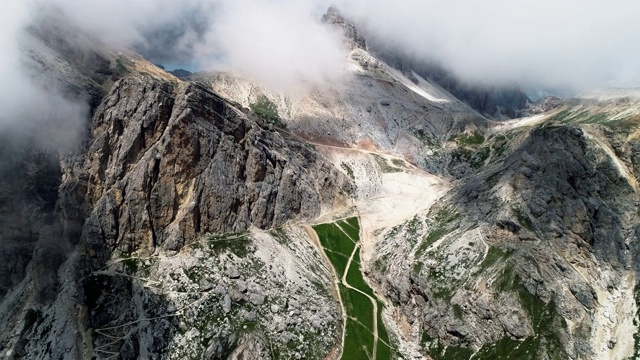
pixel 267 110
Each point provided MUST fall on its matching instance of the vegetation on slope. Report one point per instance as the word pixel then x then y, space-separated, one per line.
pixel 339 241
pixel 267 110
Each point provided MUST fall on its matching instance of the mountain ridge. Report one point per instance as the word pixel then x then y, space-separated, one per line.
pixel 181 225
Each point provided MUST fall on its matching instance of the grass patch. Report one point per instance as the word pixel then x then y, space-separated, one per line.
pixel 414 225
pixel 238 244
pixel 493 255
pixel 348 169
pixel 471 139
pixel 384 164
pixel 544 318
pixel 523 219
pixel 440 352
pixel 439 228
pixel 354 276
pixel 399 163
pixel 417 267
pixel 444 287
pixel 507 349
pixel 499 149
pixel 280 235
pixel 353 230
pixel 446 215
pixel 194 274
pixel 576 117
pixel 561 116
pixel 381 263
pixel 432 237
pixel 599 118
pixel 359 308
pixel 478 160
pixel 384 351
pixel 475 158
pixel 339 246
pixel 129 264
pixel 457 311
pixel 357 343
pixel 267 110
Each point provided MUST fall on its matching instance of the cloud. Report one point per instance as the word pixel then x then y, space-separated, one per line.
pixel 26 106
pixel 577 44
pixel 277 42
pixel 569 43
pixel 280 43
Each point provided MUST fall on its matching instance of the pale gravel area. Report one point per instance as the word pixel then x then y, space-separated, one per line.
pixel 520 122
pixel 613 319
pixel 422 88
pixel 384 200
pixel 622 168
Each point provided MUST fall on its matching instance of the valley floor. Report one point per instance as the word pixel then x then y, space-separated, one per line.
pixel 390 192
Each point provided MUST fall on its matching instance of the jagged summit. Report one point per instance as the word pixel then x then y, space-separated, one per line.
pixel 352 38
pixel 381 216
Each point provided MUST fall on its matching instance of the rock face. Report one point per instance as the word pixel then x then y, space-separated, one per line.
pixel 352 39
pixel 165 162
pixel 540 239
pixel 493 102
pixel 546 104
pixel 173 231
pixel 170 160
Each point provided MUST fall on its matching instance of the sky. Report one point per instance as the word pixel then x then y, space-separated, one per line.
pixel 564 44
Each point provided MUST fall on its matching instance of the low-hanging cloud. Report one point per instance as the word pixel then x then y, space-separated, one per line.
pixel 277 42
pixel 28 108
pixel 567 44
pixel 575 44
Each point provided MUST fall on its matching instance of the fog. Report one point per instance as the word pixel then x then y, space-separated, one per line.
pixel 569 44
pixel 277 42
pixel 27 107
pixel 562 44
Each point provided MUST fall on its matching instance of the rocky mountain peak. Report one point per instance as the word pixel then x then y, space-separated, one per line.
pixel 352 39
pixel 206 217
pixel 172 160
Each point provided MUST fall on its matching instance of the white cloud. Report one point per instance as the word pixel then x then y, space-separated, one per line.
pixel 568 43
pixel 276 42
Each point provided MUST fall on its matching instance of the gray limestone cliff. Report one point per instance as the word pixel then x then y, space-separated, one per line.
pixel 167 167
pixel 171 160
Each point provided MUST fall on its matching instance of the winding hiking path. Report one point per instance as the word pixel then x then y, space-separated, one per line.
pixel 374 302
pixel 314 237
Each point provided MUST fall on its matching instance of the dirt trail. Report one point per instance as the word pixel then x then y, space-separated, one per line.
pixel 316 241
pixel 398 197
pixel 373 301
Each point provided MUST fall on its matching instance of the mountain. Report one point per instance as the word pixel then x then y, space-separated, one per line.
pixel 493 102
pixel 382 216
pixel 181 73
